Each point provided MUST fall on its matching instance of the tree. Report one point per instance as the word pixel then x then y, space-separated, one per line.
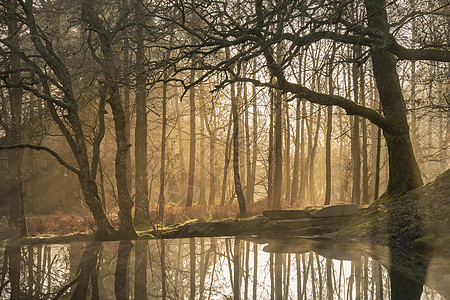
pixel 68 123
pixel 258 33
pixel 141 181
pixel 112 78
pixel 50 74
pixel 190 188
pixel 13 122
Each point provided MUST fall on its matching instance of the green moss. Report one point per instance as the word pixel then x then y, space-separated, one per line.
pixel 46 239
pixel 419 218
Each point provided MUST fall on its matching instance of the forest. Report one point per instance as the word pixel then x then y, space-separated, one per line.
pixel 136 119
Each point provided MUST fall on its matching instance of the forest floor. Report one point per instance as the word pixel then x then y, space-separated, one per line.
pixel 421 218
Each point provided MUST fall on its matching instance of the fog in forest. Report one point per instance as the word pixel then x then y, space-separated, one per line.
pixel 119 118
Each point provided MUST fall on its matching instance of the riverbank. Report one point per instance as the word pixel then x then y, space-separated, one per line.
pixel 421 219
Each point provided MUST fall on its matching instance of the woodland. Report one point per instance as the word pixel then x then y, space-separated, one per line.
pixel 121 115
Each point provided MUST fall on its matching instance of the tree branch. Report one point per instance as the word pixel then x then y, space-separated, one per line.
pixel 43 148
pixel 350 107
pixel 432 54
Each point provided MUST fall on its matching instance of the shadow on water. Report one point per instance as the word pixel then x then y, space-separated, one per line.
pixel 221 268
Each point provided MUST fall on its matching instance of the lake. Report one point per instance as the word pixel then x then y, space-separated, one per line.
pixel 220 268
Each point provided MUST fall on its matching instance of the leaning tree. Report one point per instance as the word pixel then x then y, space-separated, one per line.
pixel 253 30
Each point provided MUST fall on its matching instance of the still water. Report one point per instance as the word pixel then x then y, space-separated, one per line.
pixel 218 268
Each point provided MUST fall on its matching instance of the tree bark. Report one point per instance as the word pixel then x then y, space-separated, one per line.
pixel 278 174
pixel 328 155
pixel 190 188
pixel 201 175
pixel 328 183
pixel 287 154
pixel 404 172
pixel 270 168
pixel 355 146
pixel 365 167
pixel 295 173
pixel 212 160
pixel 141 214
pixel 303 165
pixel 312 187
pixel 237 177
pixel 248 196
pixel 162 171
pixel 13 133
pixel 226 163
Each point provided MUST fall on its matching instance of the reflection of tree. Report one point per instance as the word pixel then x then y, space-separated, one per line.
pixel 13 253
pixel 220 269
pixel 140 263
pixel 204 265
pixel 178 266
pixel 122 273
pixel 86 271
pixel 192 268
pixel 407 273
pixel 278 276
pixel 163 269
pixel 236 266
pixel 255 269
pixel 3 280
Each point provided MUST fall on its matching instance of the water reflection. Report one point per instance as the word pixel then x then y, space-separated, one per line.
pixel 217 268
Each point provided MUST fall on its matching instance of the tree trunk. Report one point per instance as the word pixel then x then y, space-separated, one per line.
pixel 295 175
pixel 287 151
pixel 270 154
pixel 162 171
pixel 226 163
pixel 328 155
pixel 365 167
pixel 303 170
pixel 252 163
pixel 190 188
pixel 404 173
pixel 328 183
pixel 212 163
pixel 201 182
pixel 141 184
pixel 126 107
pixel 249 173
pixel 237 177
pixel 126 228
pixel 278 174
pixel 251 186
pixel 183 174
pixel 377 165
pixel 13 133
pixel 355 146
pixel 312 187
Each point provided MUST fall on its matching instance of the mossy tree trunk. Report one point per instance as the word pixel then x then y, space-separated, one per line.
pixel 404 172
